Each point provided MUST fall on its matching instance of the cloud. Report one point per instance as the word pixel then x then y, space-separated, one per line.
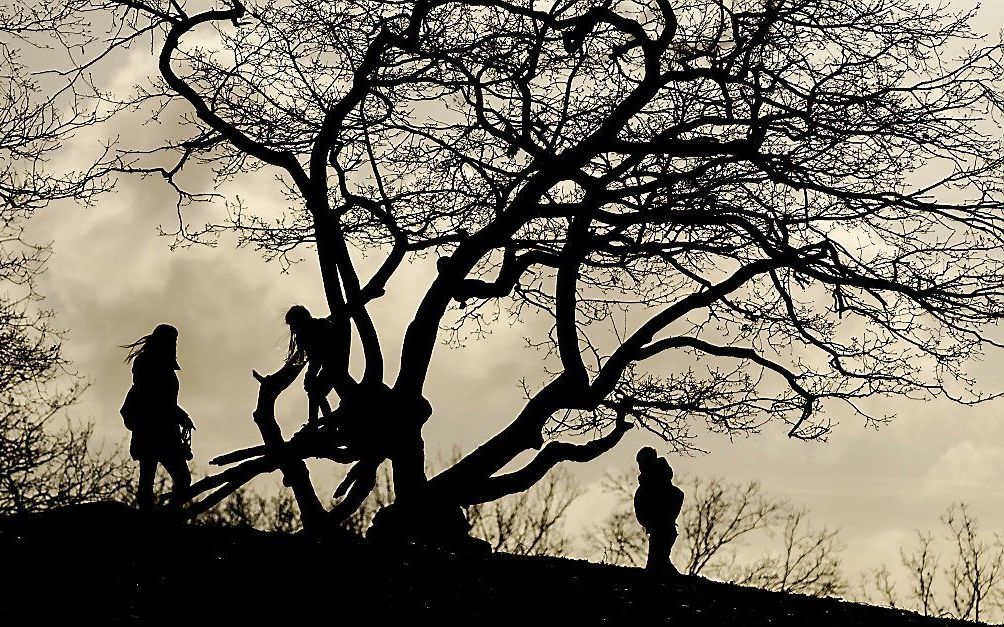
pixel 880 547
pixel 965 469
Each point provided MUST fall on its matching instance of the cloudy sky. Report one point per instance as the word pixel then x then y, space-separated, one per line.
pixel 111 280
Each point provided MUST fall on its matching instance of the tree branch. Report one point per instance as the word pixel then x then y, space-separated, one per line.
pixel 551 455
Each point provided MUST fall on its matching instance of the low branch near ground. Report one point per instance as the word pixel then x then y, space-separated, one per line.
pixel 276 453
pixel 357 486
pixel 225 483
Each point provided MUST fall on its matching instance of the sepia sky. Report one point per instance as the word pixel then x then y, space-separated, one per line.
pixel 111 280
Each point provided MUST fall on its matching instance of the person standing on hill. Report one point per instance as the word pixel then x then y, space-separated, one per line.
pixel 161 430
pixel 657 504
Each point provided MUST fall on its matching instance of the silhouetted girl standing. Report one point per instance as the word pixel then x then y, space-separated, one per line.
pixel 313 340
pixel 160 428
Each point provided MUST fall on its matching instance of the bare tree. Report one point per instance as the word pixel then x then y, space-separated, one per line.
pixel 716 205
pixel 44 467
pixel 720 515
pixel 877 587
pixel 46 459
pixel 960 578
pixel 922 563
pixel 808 560
pixel 974 572
pixel 248 509
pixel 619 539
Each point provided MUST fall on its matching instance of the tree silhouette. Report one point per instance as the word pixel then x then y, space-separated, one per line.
pixel 732 213
pixel 957 573
pixel 43 465
pixel 807 560
pixel 251 510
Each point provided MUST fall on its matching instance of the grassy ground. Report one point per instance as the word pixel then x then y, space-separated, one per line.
pixel 105 566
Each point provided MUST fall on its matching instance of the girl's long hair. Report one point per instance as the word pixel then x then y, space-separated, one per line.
pixel 295 353
pixel 160 333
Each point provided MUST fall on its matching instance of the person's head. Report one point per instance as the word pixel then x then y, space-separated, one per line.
pixel 647 460
pixel 297 318
pixel 165 333
pixel 646 455
pixel 161 343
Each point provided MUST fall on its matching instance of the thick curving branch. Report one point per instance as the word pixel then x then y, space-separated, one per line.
pixel 513 268
pixel 524 432
pixel 550 456
pixel 179 27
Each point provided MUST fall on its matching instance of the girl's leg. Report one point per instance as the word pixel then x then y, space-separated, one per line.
pixel 317 397
pixel 324 387
pixel 147 473
pixel 181 479
pixel 318 402
pixel 325 406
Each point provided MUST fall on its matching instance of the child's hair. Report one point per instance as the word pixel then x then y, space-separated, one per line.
pixel 295 315
pixel 161 333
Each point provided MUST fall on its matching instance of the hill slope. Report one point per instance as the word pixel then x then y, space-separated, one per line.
pixel 102 563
